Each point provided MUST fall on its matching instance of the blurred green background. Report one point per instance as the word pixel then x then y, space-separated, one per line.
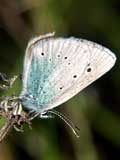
pixel 95 110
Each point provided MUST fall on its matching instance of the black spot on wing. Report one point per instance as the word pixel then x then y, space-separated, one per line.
pixel 42 54
pixel 89 69
pixel 75 76
pixel 65 57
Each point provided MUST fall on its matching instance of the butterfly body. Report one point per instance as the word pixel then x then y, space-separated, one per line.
pixel 56 69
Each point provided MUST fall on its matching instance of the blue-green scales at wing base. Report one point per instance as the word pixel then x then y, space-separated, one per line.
pixel 38 86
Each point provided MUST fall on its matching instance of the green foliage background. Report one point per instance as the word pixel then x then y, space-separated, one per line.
pixel 95 110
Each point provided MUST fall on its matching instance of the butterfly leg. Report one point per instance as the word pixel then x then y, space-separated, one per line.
pixel 32 114
pixel 46 115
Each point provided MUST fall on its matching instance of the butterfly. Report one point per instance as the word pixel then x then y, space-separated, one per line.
pixel 56 69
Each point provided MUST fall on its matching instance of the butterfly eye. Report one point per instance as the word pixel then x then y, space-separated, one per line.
pixel 65 57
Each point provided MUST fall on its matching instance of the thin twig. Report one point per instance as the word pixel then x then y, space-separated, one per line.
pixel 5 130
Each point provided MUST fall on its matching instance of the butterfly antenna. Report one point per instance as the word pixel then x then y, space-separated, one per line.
pixel 5 130
pixel 73 127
